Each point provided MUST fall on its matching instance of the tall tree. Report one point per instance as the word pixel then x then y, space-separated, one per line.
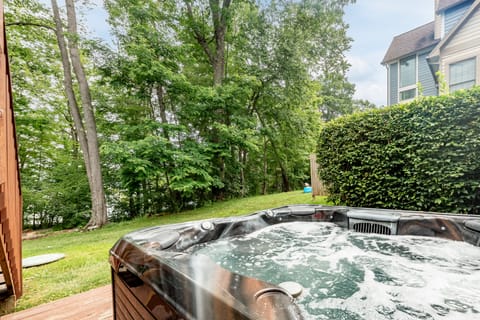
pixel 156 159
pixel 210 32
pixel 254 122
pixel 54 187
pixel 85 127
pixel 219 13
pixel 284 44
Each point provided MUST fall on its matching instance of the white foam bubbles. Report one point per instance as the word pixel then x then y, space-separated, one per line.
pixel 349 275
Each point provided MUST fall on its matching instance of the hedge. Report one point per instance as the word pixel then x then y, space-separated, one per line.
pixel 424 155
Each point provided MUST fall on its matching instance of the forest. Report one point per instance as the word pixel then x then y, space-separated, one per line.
pixel 190 102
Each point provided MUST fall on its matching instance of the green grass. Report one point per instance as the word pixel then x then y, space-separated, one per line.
pixel 86 253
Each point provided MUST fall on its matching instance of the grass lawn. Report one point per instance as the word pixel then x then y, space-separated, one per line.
pixel 86 263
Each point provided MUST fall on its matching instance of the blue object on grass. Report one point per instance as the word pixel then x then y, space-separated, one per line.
pixel 307 189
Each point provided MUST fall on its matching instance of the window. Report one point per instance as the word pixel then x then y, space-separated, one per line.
pixel 408 94
pixel 462 74
pixel 408 78
pixel 408 71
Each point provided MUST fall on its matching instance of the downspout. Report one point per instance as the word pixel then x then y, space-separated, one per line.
pixel 388 83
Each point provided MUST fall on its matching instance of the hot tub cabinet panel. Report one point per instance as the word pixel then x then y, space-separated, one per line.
pixel 155 277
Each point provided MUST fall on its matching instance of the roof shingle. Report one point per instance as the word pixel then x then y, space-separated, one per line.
pixel 411 42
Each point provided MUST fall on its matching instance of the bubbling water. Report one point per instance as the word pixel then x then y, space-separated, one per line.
pixel 353 276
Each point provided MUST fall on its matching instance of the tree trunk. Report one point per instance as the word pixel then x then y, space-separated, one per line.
pixel 219 60
pixel 216 58
pixel 219 19
pixel 242 159
pixel 87 134
pixel 99 208
pixel 162 110
pixel 285 181
pixel 67 82
pixel 265 167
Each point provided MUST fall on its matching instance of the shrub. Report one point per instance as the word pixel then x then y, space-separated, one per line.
pixel 424 155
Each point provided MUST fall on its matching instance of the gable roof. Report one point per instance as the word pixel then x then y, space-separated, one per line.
pixel 447 4
pixel 436 51
pixel 410 42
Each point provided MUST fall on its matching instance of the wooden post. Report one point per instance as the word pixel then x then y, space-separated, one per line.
pixel 317 186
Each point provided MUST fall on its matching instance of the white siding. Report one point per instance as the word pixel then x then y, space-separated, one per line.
pixel 464 44
pixel 469 31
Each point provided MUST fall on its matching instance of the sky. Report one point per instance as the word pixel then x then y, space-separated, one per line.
pixel 372 26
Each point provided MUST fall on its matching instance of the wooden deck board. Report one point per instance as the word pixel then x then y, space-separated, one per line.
pixel 95 304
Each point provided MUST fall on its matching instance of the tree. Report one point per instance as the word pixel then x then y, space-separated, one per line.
pixel 201 101
pixel 291 48
pixel 245 79
pixel 219 15
pixel 51 174
pixel 209 29
pixel 363 105
pixel 157 162
pixel 85 127
pixel 336 96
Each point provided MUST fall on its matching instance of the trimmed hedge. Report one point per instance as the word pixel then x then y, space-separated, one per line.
pixel 424 155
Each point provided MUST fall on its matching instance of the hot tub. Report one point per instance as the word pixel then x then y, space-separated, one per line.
pixel 164 273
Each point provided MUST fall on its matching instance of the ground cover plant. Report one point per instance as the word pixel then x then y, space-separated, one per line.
pixel 86 263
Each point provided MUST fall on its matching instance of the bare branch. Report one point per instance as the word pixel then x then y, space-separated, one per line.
pixel 30 24
pixel 199 36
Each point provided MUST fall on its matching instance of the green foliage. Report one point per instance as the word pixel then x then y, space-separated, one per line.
pixel 162 174
pixel 362 105
pixel 419 156
pixel 420 89
pixel 442 83
pixel 54 185
pixel 170 139
pixel 253 132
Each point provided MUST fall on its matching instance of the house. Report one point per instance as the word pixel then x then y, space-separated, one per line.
pixel 441 53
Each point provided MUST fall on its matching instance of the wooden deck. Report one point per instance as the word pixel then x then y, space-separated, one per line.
pixel 95 304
